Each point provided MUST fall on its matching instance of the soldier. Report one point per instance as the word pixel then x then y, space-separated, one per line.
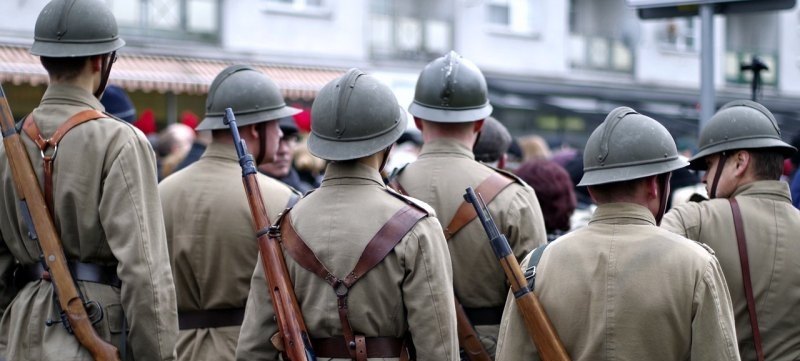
pixel 622 288
pixel 742 153
pixel 449 107
pixel 212 244
pixel 100 185
pixel 355 121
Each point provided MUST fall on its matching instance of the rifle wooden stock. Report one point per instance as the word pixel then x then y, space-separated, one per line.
pixel 292 327
pixel 30 196
pixel 468 338
pixel 539 327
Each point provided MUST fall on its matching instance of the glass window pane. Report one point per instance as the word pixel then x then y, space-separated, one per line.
pixel 164 14
pixel 498 14
pixel 202 16
pixel 127 12
pixel 437 38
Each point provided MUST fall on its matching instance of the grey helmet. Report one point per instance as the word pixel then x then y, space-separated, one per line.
pixel 628 146
pixel 740 124
pixel 253 96
pixel 354 116
pixel 451 89
pixel 75 28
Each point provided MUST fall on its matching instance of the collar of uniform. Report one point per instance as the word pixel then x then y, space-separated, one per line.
pixel 340 173
pixel 622 213
pixel 70 95
pixel 775 190
pixel 221 151
pixel 445 146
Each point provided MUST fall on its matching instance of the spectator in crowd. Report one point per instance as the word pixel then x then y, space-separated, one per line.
pixel 795 178
pixel 173 145
pixel 492 144
pixel 534 147
pixel 556 193
pixel 118 104
pixel 282 168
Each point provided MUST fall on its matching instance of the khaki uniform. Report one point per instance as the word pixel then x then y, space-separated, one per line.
pixel 108 212
pixel 623 289
pixel 440 177
pixel 410 291
pixel 212 243
pixel 771 226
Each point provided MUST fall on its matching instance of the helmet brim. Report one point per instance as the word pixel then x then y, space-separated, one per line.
pixel 338 150
pixel 628 172
pixel 444 115
pixel 697 162
pixel 214 121
pixel 55 49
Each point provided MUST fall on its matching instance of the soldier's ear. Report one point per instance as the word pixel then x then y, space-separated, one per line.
pixel 478 126
pixel 742 161
pixel 96 63
pixel 418 123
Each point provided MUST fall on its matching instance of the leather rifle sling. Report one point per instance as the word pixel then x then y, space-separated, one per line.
pixel 32 130
pixel 390 234
pixel 738 225
pixel 488 189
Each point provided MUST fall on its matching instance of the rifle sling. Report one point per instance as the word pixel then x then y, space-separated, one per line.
pixel 738 225
pixel 87 272
pixel 488 189
pixel 32 130
pixel 383 242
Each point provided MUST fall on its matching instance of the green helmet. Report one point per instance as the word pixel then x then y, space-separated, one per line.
pixel 451 89
pixel 74 28
pixel 628 146
pixel 354 116
pixel 740 124
pixel 253 96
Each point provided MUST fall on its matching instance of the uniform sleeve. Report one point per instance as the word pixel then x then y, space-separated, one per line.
pixel 713 327
pixel 130 213
pixel 683 220
pixel 258 325
pixel 428 292
pixel 513 341
pixel 525 228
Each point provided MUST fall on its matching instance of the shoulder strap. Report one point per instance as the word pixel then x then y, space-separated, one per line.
pixel 32 130
pixel 383 242
pixel 530 271
pixel 392 182
pixel 488 189
pixel 738 225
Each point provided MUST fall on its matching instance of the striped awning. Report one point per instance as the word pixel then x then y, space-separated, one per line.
pixel 179 75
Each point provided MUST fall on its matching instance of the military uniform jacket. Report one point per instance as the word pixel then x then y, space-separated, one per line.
pixel 623 289
pixel 771 227
pixel 212 243
pixel 410 291
pixel 439 177
pixel 108 212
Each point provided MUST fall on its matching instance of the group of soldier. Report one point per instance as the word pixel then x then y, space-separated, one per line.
pixel 378 270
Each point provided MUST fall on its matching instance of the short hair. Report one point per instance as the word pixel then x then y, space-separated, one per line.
pixel 767 164
pixel 554 189
pixel 64 68
pixel 621 191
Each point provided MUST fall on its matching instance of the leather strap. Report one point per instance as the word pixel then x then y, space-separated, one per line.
pixel 488 189
pixel 484 315
pixel 723 157
pixel 738 225
pixel 396 186
pixel 383 242
pixel 32 130
pixel 376 347
pixel 87 272
pixel 225 317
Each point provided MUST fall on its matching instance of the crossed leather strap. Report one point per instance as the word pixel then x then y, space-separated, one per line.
pixel 32 130
pixel 738 225
pixel 390 234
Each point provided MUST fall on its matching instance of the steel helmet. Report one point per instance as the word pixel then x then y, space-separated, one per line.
pixel 451 89
pixel 627 146
pixel 253 96
pixel 75 28
pixel 354 116
pixel 740 124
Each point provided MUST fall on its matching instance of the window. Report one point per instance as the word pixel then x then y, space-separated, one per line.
pixel 603 35
pixel 410 29
pixel 680 34
pixel 175 19
pixel 298 7
pixel 749 35
pixel 515 16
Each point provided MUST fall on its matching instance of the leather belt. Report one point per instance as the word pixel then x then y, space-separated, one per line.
pixel 188 320
pixel 485 315
pixel 87 272
pixel 377 347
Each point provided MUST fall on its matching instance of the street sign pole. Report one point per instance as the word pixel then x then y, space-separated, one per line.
pixel 707 96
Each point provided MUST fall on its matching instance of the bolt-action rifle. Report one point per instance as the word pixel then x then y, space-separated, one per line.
pixel 539 327
pixel 296 345
pixel 41 228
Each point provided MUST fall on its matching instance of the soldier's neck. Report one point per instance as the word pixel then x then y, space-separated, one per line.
pixel 84 82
